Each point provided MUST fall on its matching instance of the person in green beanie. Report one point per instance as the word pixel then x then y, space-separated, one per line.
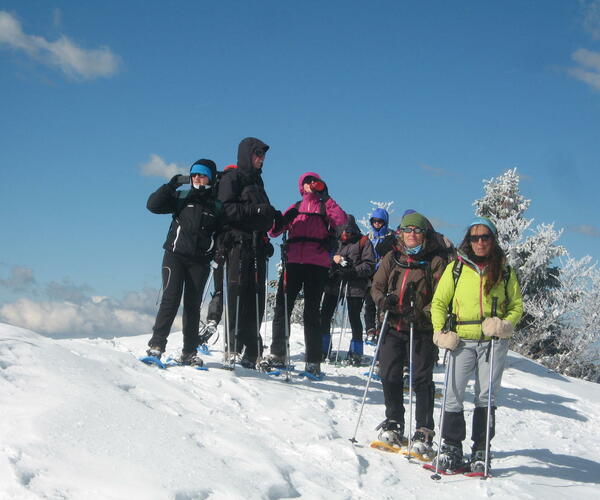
pixel 403 286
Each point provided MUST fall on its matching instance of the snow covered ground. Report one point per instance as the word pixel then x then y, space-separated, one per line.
pixel 84 419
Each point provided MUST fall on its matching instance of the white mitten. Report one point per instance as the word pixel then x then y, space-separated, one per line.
pixel 496 327
pixel 446 340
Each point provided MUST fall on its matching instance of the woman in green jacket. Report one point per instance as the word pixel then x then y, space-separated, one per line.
pixel 480 296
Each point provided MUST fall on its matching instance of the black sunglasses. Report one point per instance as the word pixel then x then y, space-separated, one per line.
pixel 416 230
pixel 474 238
pixel 260 153
pixel 379 221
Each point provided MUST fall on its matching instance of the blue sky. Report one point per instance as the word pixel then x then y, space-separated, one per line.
pixel 414 102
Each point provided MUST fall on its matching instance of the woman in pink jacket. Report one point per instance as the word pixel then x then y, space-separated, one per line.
pixel 310 225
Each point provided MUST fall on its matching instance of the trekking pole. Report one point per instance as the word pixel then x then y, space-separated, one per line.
pixel 237 303
pixel 362 405
pixel 436 476
pixel 226 338
pixel 489 406
pixel 331 323
pixel 410 290
pixel 264 323
pixel 285 305
pixel 208 282
pixel 344 318
pixel 255 236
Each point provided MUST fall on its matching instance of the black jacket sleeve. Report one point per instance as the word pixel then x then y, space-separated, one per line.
pixel 163 200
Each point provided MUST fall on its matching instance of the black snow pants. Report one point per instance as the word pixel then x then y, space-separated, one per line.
pixel 180 276
pixel 312 278
pixel 394 353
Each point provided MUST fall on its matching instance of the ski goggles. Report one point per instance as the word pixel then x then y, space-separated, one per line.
pixel 416 230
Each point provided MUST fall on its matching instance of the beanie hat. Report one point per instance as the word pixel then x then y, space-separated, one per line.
pixel 414 219
pixel 409 211
pixel 484 221
pixel 204 167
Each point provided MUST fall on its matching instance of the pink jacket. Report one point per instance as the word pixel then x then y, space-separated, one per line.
pixel 311 226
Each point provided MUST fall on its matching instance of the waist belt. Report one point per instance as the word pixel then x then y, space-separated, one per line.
pixel 474 322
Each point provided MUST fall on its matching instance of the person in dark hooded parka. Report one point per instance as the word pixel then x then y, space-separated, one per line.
pixel 245 245
pixel 352 267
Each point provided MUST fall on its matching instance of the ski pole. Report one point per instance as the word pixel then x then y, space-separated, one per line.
pixel 226 337
pixel 411 293
pixel 489 406
pixel 285 305
pixel 255 236
pixel 436 476
pixel 332 321
pixel 264 323
pixel 362 405
pixel 237 302
pixel 344 318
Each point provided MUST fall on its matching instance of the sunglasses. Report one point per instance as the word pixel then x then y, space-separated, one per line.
pixel 198 175
pixel 260 153
pixel 378 221
pixel 416 230
pixel 474 238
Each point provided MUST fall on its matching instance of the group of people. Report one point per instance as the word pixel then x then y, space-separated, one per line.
pixel 419 293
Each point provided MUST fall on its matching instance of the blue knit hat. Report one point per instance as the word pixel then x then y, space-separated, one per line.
pixel 202 170
pixel 484 221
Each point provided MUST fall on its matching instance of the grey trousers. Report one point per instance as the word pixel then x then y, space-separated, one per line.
pixel 468 360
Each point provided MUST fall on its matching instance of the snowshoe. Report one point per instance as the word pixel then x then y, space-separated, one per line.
pixel 312 371
pixel 153 355
pixel 449 459
pixel 391 432
pixel 422 441
pixel 249 363
pixel 155 352
pixel 354 359
pixel 190 359
pixel 274 361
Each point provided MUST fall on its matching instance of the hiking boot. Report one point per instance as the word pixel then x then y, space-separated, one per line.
pixel 155 351
pixel 449 457
pixel 313 368
pixel 392 432
pixel 422 441
pixel 354 359
pixel 274 361
pixel 478 461
pixel 248 362
pixel 190 359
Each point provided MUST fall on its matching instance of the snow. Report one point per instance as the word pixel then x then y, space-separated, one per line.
pixel 83 418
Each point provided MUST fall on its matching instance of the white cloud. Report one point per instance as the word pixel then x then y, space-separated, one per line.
pixel 591 18
pixel 20 278
pixel 63 53
pixel 588 70
pixel 586 229
pixel 157 167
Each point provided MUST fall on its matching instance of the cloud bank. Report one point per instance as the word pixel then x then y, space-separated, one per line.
pixel 63 309
pixel 64 54
pixel 588 70
pixel 157 167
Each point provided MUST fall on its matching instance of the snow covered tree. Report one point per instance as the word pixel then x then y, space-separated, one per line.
pixel 553 327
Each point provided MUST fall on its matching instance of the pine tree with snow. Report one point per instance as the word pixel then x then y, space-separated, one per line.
pixel 557 294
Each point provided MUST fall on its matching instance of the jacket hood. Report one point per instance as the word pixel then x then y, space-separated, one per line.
pixel 245 150
pixel 304 176
pixel 350 227
pixel 380 213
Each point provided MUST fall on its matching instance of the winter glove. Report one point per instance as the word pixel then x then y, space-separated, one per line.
pixel 409 314
pixel 347 273
pixel 389 303
pixel 290 215
pixel 446 340
pixel 178 180
pixel 496 327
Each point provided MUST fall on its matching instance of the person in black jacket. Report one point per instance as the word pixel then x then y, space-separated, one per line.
pixel 246 247
pixel 352 267
pixel 197 216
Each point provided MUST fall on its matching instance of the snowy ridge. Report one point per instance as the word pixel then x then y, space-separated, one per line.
pixel 85 419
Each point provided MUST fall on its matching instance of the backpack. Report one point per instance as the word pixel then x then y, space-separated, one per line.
pixel 329 243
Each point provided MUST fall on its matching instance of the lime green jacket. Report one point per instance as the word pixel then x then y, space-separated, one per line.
pixel 469 301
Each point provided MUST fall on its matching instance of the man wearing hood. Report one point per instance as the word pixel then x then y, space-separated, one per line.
pixel 246 246
pixel 309 224
pixel 189 248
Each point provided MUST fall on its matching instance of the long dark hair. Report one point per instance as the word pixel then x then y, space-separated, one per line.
pixel 495 261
